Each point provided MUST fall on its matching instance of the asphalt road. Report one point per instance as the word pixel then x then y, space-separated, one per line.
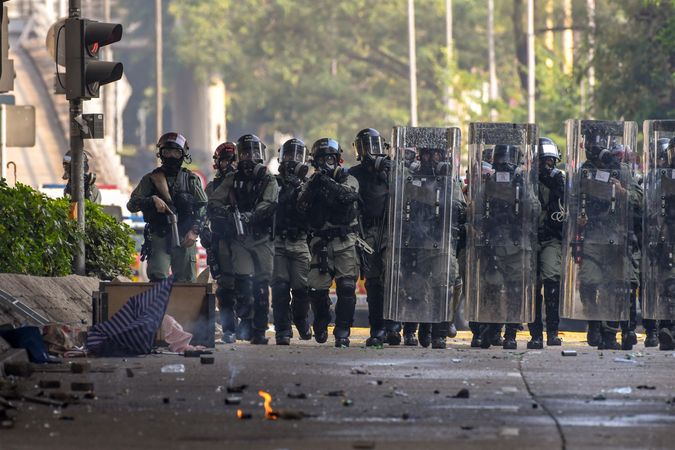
pixel 395 398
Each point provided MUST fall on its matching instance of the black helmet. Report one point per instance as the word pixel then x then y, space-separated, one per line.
pixel 326 147
pixel 293 150
pixel 369 142
pixel 249 146
pixel 548 149
pixel 506 154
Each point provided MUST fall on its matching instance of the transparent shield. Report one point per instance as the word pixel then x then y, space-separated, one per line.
pixel 596 253
pixel 502 223
pixel 658 221
pixel 422 263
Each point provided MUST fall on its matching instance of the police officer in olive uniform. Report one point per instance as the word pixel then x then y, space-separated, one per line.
pixel 373 176
pixel 91 192
pixel 551 197
pixel 168 194
pixel 291 254
pixel 331 201
pixel 219 253
pixel 245 202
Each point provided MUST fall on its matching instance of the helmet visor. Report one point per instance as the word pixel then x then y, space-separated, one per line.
pixel 372 145
pixel 292 152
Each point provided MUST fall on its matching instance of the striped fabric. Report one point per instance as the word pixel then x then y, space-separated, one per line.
pixel 132 329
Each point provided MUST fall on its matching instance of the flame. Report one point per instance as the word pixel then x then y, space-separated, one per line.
pixel 240 414
pixel 269 412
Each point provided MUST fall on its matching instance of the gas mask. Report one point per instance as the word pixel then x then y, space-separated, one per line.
pixel 252 169
pixel 294 168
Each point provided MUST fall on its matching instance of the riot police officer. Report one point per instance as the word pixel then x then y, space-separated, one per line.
pixel 247 201
pixel 291 254
pixel 219 253
pixel 91 192
pixel 373 176
pixel 330 200
pixel 551 197
pixel 173 204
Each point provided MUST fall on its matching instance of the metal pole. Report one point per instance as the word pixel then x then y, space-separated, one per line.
pixel 77 161
pixel 590 6
pixel 492 66
pixel 530 62
pixel 449 44
pixel 413 63
pixel 159 105
pixel 3 140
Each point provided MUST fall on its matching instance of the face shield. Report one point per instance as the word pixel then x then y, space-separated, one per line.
pixel 370 145
pixel 292 159
pixel 506 155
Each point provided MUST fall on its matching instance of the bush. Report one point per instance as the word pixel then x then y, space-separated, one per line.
pixel 38 238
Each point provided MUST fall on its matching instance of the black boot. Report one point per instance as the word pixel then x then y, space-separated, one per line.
pixel 496 338
pixel 510 342
pixel 261 307
pixel 594 337
pixel 299 311
pixel 651 340
pixel 424 334
pixel 666 340
pixel 628 340
pixel 552 339
pixel 609 341
pixel 476 341
pixel 283 340
pixel 320 302
pixel 281 312
pixel 409 334
pixel 259 338
pixel 393 338
pixel 374 341
pixel 438 343
pixel 344 310
pixel 536 343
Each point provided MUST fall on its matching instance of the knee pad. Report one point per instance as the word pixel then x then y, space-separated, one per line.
pixel 281 290
pixel 243 286
pixel 345 287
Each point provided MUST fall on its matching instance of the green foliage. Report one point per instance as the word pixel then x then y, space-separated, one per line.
pixel 108 244
pixel 38 238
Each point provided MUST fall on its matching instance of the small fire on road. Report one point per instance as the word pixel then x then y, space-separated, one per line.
pixel 269 412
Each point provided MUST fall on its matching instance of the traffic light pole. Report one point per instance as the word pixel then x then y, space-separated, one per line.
pixel 77 162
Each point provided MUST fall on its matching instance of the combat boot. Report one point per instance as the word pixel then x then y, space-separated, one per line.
pixel 438 343
pixel 486 335
pixel 410 340
pixel 496 337
pixel 628 340
pixel 593 336
pixel 475 340
pixel 609 342
pixel 393 338
pixel 304 333
pixel 666 340
pixel 651 340
pixel 510 342
pixel 424 334
pixel 320 336
pixel 283 340
pixel 452 331
pixel 536 343
pixel 341 342
pixel 374 341
pixel 259 339
pixel 552 339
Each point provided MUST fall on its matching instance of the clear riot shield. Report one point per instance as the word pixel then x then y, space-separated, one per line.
pixel 502 223
pixel 599 200
pixel 422 263
pixel 658 220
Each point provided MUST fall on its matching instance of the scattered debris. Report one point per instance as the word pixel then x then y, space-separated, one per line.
pixel 400 393
pixel 625 360
pixel 71 418
pixel 207 359
pixel 80 386
pixel 599 397
pixel 509 431
pixel 347 402
pixel 466 427
pixel 49 384
pixel 196 353
pixel 233 400
pixel 166 400
pixel 236 389
pixel 622 390
pixel 456 360
pixel 363 445
pixel 44 401
pixel 405 416
pixel 63 396
pixel 569 353
pixel 297 395
pixel 463 393
pixel 339 393
pixel 173 368
pixel 241 415
pixel 130 373
pixel 359 371
pixel 644 386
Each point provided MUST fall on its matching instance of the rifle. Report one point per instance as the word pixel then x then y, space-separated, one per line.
pixel 159 181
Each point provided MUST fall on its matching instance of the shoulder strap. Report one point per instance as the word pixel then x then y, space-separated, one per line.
pixel 158 179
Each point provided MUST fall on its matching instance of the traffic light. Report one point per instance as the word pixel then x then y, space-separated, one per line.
pixel 85 72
